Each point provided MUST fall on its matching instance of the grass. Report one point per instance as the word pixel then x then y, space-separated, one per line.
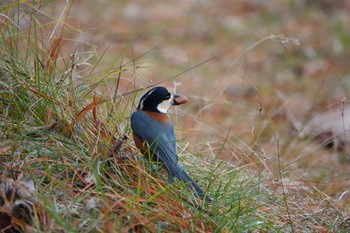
pixel 60 122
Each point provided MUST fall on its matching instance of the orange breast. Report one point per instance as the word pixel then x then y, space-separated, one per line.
pixel 161 117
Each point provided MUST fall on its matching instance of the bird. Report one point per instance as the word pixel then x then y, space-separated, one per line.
pixel 153 131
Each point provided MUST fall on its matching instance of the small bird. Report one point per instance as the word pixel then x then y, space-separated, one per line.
pixel 153 131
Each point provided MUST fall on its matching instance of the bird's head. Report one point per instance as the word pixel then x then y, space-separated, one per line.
pixel 159 99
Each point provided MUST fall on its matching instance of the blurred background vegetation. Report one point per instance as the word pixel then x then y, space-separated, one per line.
pixel 253 98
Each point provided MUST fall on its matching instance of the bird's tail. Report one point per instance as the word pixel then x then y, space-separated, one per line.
pixel 181 174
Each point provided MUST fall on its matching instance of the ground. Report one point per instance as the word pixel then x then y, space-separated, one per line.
pixel 267 85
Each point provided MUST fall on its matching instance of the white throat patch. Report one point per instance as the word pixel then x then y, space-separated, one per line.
pixel 164 106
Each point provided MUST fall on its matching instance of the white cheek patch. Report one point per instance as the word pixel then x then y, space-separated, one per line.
pixel 164 106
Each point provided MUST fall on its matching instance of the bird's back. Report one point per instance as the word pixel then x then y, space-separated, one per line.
pixel 159 135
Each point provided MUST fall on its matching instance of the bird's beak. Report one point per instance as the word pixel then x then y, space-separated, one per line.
pixel 179 99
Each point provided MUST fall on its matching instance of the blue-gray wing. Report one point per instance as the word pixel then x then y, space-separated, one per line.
pixel 162 142
pixel 159 137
